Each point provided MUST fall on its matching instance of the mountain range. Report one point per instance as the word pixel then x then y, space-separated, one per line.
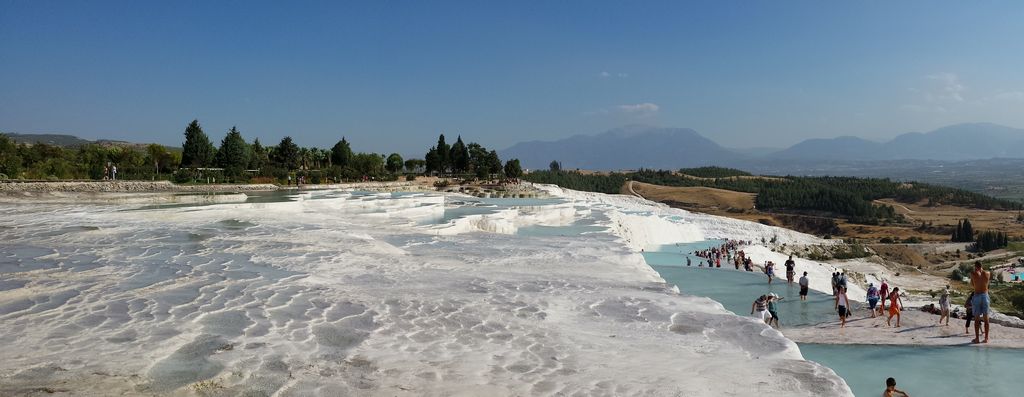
pixel 637 146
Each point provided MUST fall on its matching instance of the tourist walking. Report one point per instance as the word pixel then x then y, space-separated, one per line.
pixel 895 305
pixel 769 269
pixel 892 391
pixel 113 172
pixel 842 306
pixel 835 283
pixel 790 270
pixel 944 306
pixel 760 308
pixel 773 309
pixel 872 298
pixel 980 303
pixel 884 293
pixel 805 283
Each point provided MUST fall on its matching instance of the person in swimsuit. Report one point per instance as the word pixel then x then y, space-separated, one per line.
pixel 895 304
pixel 769 269
pixel 804 285
pixel 980 303
pixel 892 391
pixel 760 306
pixel 790 270
pixel 842 306
pixel 872 298
pixel 944 306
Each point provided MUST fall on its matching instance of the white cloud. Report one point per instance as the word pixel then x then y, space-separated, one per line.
pixel 607 74
pixel 1005 96
pixel 645 109
pixel 639 108
pixel 944 87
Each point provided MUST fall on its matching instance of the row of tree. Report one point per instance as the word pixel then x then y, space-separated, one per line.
pixel 42 161
pixel 964 232
pixel 460 158
pixel 237 160
pixel 989 240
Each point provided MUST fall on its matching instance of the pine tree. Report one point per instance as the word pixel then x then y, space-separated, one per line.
pixel 431 161
pixel 443 153
pixel 197 151
pixel 286 155
pixel 258 155
pixel 233 155
pixel 958 232
pixel 341 153
pixel 459 156
pixel 512 169
pixel 968 232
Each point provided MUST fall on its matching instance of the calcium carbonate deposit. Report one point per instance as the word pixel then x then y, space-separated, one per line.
pixel 346 293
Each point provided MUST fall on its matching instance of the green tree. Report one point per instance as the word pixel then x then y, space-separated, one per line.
pixel 10 161
pixel 493 162
pixel 411 165
pixel 233 155
pixel 432 161
pixel 513 169
pixel 341 153
pixel 459 156
pixel 369 164
pixel 197 151
pixel 555 166
pixel 159 157
pixel 394 163
pixel 286 154
pixel 443 153
pixel 258 157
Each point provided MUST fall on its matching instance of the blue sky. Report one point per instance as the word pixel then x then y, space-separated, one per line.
pixel 391 75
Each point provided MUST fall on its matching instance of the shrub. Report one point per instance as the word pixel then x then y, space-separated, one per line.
pixel 410 177
pixel 887 240
pixel 961 271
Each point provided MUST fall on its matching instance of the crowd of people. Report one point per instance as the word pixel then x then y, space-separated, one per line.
pixel 881 300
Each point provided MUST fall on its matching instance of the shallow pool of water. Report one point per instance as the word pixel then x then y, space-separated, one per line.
pixel 923 371
pixel 920 371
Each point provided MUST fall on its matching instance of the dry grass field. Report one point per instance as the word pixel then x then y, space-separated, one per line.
pixel 940 220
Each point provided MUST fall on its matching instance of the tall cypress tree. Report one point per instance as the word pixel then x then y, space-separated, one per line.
pixel 197 151
pixel 968 232
pixel 444 159
pixel 459 156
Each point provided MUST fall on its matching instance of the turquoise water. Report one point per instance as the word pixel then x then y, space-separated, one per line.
pixel 923 371
pixel 737 290
pixel 920 371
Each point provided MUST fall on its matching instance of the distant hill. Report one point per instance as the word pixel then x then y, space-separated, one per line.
pixel 49 139
pixel 639 146
pixel 629 147
pixel 958 142
pixel 71 141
